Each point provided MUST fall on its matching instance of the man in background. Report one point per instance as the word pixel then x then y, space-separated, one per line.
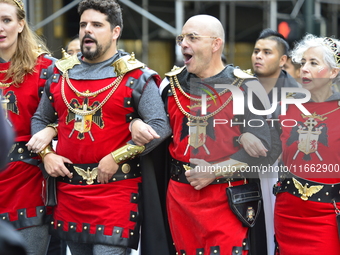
pixel 73 46
pixel 269 56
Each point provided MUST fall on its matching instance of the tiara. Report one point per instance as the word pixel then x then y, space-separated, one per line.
pixel 20 4
pixel 331 44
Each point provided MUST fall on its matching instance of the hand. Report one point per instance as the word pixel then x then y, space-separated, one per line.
pixel 252 145
pixel 41 139
pixel 106 169
pixel 201 176
pixel 55 165
pixel 142 133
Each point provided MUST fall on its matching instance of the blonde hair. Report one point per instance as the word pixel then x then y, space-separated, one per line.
pixel 23 61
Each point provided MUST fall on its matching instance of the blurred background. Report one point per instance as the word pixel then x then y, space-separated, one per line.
pixel 150 26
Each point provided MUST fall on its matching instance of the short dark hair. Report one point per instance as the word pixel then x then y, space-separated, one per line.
pixel 76 37
pixel 110 8
pixel 271 34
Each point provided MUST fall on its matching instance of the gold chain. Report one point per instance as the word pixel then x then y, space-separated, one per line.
pixel 331 110
pixel 194 98
pixel 90 94
pixel 5 85
pixel 84 113
pixel 199 117
pixel 315 115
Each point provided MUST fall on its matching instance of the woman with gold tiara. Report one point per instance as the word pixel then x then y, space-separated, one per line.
pixel 24 69
pixel 307 208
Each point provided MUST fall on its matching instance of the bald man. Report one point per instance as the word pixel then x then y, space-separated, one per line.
pixel 200 218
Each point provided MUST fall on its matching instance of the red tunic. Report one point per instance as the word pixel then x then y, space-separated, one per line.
pixel 21 183
pixel 201 220
pixel 310 151
pixel 101 213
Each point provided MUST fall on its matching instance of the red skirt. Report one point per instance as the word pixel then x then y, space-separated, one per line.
pixel 21 195
pixel 305 227
pixel 201 220
pixel 101 213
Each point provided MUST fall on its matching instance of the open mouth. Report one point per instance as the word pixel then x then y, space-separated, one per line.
pixel 187 57
pixel 88 41
pixel 306 80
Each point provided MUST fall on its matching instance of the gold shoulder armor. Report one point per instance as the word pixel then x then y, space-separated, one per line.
pixel 174 71
pixel 67 61
pixel 243 74
pixel 126 64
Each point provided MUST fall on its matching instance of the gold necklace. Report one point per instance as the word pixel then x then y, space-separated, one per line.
pixel 199 117
pixel 321 116
pixel 197 99
pixel 93 111
pixel 90 94
pixel 5 85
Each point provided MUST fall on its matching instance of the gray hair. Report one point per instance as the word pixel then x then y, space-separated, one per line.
pixel 330 53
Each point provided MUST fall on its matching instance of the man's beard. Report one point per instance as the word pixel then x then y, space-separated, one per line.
pixel 94 54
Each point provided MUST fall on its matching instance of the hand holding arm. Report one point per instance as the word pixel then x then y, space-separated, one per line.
pixel 142 133
pixel 252 145
pixel 41 139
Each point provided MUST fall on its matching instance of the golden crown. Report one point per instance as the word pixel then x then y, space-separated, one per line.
pixel 20 4
pixel 330 43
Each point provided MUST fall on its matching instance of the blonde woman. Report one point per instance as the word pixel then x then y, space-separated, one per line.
pixel 24 69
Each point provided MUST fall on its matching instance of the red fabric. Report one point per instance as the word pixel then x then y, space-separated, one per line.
pixel 219 139
pixel 305 227
pixel 108 127
pixel 103 204
pixel 24 98
pixel 21 183
pixel 203 219
pixel 326 142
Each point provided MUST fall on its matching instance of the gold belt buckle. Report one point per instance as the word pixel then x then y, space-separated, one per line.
pixel 88 175
pixel 306 191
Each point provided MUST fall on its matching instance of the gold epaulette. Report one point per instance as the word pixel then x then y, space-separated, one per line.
pixel 174 71
pixel 126 64
pixel 243 74
pixel 67 61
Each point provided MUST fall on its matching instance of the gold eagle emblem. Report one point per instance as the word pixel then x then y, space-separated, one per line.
pixel 186 167
pixel 305 191
pixel 87 175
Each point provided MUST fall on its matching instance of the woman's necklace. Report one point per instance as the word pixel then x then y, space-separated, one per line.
pixel 3 84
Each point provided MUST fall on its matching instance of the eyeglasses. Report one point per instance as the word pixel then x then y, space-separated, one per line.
pixel 191 37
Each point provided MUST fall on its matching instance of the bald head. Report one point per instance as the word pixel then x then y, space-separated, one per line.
pixel 207 25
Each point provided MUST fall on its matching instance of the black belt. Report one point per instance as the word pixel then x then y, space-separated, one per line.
pixel 308 190
pixel 86 174
pixel 19 152
pixel 177 172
